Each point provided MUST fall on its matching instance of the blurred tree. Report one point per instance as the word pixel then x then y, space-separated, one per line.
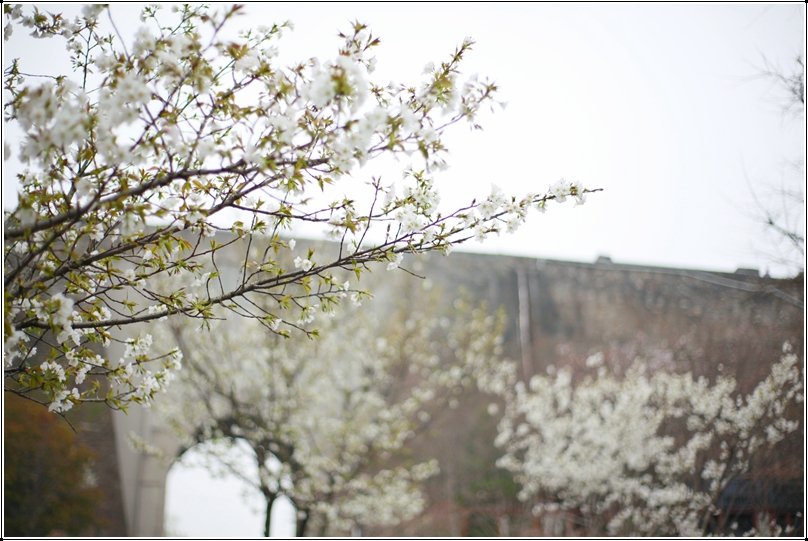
pixel 48 485
pixel 791 82
pixel 781 206
pixel 647 452
pixel 328 419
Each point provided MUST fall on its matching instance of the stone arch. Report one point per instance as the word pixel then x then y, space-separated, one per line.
pixel 145 476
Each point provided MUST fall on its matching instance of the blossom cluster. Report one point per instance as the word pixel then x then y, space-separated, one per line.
pixel 642 454
pixel 335 411
pixel 150 154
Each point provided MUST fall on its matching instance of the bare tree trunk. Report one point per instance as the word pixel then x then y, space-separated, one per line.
pixel 302 521
pixel 270 499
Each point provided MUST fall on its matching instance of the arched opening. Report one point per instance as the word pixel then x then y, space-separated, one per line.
pixel 206 497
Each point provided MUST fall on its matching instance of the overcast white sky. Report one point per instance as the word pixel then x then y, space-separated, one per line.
pixel 658 104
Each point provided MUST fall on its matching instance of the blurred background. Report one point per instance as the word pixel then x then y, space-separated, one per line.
pixel 691 119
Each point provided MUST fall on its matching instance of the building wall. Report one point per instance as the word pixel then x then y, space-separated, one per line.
pixel 558 313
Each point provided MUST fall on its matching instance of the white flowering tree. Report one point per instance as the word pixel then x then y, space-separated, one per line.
pixel 337 412
pixel 147 156
pixel 642 454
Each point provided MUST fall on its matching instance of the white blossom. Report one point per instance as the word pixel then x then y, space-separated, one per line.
pixel 303 263
pixel 395 262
